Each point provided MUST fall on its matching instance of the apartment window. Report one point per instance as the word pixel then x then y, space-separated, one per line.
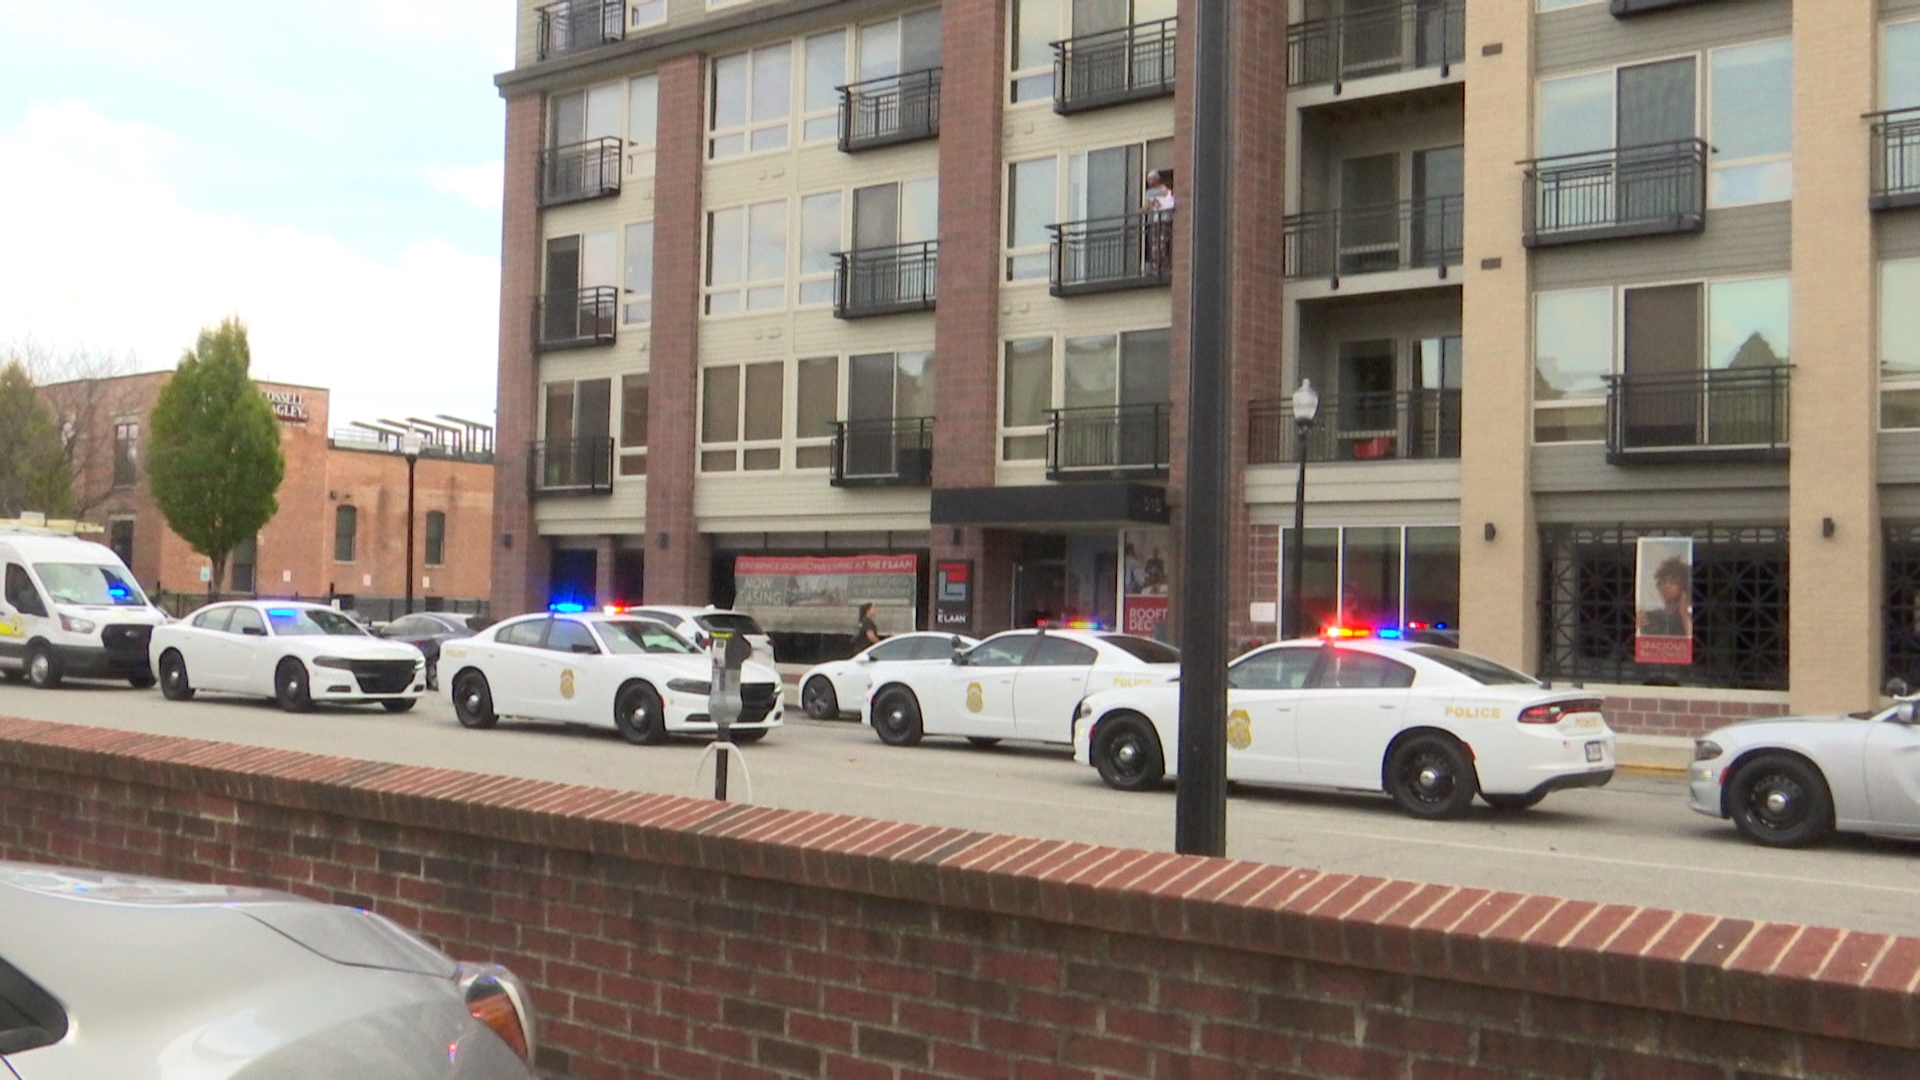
pixel 751 101
pixel 120 538
pixel 1899 344
pixel 896 46
pixel 1122 369
pixel 575 264
pixel 1037 24
pixel 126 452
pixel 243 564
pixel 819 241
pixel 633 425
pixel 816 407
pixel 742 408
pixel 1032 205
pixel 636 276
pixel 578 410
pixel 747 258
pixel 436 554
pixel 887 215
pixel 643 122
pixel 580 115
pixel 820 95
pixel 1900 73
pixel 646 13
pixel 1572 357
pixel 1750 123
pixel 1026 395
pixel 1638 105
pixel 346 524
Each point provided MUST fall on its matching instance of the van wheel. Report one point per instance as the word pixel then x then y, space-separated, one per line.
pixel 290 686
pixel 43 668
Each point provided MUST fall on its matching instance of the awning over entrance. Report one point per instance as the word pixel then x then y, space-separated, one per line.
pixel 1114 503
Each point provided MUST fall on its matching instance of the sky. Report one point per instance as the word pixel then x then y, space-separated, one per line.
pixel 330 173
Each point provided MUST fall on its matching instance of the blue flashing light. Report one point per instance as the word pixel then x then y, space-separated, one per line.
pixel 1388 632
pixel 566 607
pixel 284 612
pixel 118 592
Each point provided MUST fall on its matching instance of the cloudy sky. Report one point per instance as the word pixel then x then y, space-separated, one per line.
pixel 329 172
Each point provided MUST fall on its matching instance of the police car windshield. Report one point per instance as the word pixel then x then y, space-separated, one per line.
pixel 632 636
pixel 95 584
pixel 1145 650
pixel 1478 668
pixel 312 622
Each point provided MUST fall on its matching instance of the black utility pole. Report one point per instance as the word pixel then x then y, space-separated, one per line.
pixel 1200 804
pixel 411 446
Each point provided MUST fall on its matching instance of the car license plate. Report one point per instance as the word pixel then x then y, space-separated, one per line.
pixel 1594 750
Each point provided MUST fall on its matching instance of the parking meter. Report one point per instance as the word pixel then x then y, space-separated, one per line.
pixel 729 652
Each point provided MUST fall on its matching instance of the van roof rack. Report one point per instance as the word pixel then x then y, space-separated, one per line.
pixel 34 524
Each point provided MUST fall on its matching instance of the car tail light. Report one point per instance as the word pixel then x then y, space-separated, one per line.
pixel 1554 712
pixel 496 998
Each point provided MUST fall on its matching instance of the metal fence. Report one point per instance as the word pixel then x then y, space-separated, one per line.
pixel 371 608
pixel 581 317
pixel 885 281
pixel 1379 40
pixel 582 170
pixel 1720 414
pixel 1398 425
pixel 572 25
pixel 1631 191
pixel 1896 159
pixel 1419 234
pixel 893 452
pixel 888 110
pixel 571 466
pixel 1109 440
pixel 1130 251
pixel 1114 66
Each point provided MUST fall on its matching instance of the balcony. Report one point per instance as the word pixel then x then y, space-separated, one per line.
pixel 894 452
pixel 1613 194
pixel 1401 425
pixel 571 466
pixel 1726 414
pixel 572 25
pixel 1378 41
pixel 1109 442
pixel 1113 67
pixel 575 320
pixel 1423 234
pixel 580 171
pixel 1625 9
pixel 890 110
pixel 1131 251
pixel 885 281
pixel 1896 159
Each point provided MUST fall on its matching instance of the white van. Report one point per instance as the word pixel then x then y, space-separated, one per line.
pixel 70 608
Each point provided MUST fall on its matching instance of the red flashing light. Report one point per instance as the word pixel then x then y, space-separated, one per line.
pixel 1342 632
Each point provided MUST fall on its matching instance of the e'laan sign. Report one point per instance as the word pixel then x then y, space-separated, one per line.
pixel 288 405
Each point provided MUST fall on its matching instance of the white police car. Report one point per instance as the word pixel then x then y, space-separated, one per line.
pixel 828 690
pixel 1430 725
pixel 607 670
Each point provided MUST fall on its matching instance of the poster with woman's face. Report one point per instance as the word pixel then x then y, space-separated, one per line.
pixel 1663 600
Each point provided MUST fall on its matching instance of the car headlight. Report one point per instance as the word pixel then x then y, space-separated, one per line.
pixel 690 686
pixel 498 999
pixel 1706 750
pixel 333 662
pixel 75 626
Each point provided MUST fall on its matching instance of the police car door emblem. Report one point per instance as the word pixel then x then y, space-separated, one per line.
pixel 976 697
pixel 1239 729
pixel 566 683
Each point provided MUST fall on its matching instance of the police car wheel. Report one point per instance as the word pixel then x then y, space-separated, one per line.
pixel 399 704
pixel 140 682
pixel 1430 777
pixel 1126 750
pixel 290 687
pixel 43 668
pixel 985 742
pixel 13 676
pixel 744 736
pixel 1780 800
pixel 818 698
pixel 1513 803
pixel 639 716
pixel 174 684
pixel 473 701
pixel 896 717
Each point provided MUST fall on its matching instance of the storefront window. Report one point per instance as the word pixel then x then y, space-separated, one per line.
pixel 1370 577
pixel 1377 577
pixel 1433 576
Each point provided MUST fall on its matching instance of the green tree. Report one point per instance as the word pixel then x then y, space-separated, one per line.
pixel 33 462
pixel 214 461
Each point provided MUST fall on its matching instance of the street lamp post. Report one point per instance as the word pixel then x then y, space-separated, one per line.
pixel 1306 405
pixel 411 444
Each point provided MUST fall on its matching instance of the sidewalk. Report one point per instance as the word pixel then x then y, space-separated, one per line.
pixel 1652 755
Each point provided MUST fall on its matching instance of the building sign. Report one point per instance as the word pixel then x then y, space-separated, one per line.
pixel 953 596
pixel 1144 601
pixel 288 405
pixel 1663 600
pixel 823 594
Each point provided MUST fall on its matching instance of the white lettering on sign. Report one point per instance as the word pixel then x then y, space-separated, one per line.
pixel 288 405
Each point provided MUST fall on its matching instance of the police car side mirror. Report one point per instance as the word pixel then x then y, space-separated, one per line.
pixel 583 647
pixel 254 631
pixel 1897 687
pixel 959 657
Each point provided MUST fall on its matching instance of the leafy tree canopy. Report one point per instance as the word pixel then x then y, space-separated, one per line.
pixel 214 462
pixel 33 462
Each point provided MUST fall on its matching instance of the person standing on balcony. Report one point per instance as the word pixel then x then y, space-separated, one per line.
pixel 1157 206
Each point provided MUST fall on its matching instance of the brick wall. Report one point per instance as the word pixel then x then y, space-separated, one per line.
pixel 666 936
pixel 519 567
pixel 375 484
pixel 1653 715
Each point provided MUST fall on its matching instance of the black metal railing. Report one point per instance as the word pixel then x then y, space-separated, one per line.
pixel 571 320
pixel 894 452
pixel 1398 425
pixel 1377 41
pixel 1109 442
pixel 1621 9
pixel 1607 194
pixel 1422 234
pixel 888 110
pixel 572 25
pixel 1131 251
pixel 1896 159
pixel 571 466
pixel 1113 66
pixel 1716 415
pixel 1588 608
pixel 885 281
pixel 580 171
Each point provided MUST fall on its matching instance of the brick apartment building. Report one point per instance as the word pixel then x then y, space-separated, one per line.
pixel 341 527
pixel 1539 257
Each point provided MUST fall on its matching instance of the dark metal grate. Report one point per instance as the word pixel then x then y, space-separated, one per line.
pixel 1114 66
pixel 1108 442
pixel 571 466
pixel 1610 194
pixel 756 702
pixel 1129 251
pixel 1739 606
pixel 571 25
pixel 1723 414
pixel 886 281
pixel 1903 601
pixel 1896 159
pixel 383 676
pixel 889 110
pixel 126 639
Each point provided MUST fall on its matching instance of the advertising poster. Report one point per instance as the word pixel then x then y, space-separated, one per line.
pixel 1663 600
pixel 953 596
pixel 1145 563
pixel 823 594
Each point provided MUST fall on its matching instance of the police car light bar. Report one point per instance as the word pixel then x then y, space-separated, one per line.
pixel 566 607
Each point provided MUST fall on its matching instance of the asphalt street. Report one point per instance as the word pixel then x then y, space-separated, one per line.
pixel 1634 841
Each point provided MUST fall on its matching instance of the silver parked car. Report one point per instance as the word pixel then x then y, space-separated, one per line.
pixel 109 975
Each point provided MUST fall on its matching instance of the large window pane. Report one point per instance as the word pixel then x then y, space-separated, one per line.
pixel 772 82
pixel 1902 73
pixel 1433 576
pixel 1037 25
pixel 913 389
pixel 730 91
pixel 1034 202
pixel 880 49
pixel 1900 320
pixel 766 400
pixel 1572 344
pixel 1747 323
pixel 870 386
pixel 1752 118
pixel 720 405
pixel 1576 114
pixel 1092 372
pixel 819 239
pixel 1370 569
pixel 1028 392
pixel 826 70
pixel 1320 578
pixel 633 411
pixel 637 275
pixel 1656 103
pixel 1145 358
pixel 643 111
pixel 560 410
pixel 817 396
pixel 726 243
pixel 1661 330
pixel 605 113
pixel 767 242
pixel 920 40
